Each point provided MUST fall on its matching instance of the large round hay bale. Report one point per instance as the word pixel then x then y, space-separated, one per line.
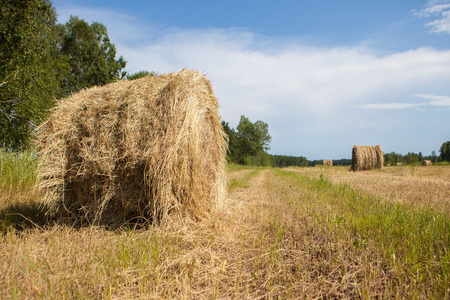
pixel 427 162
pixel 367 157
pixel 146 148
pixel 328 162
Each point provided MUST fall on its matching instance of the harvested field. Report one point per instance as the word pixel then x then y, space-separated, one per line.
pixel 417 185
pixel 280 234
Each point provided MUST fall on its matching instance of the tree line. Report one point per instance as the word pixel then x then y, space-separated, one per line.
pixel 412 158
pixel 391 158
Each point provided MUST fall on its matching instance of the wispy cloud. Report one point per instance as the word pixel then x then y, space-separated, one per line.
pixel 434 100
pixel 395 106
pixel 439 13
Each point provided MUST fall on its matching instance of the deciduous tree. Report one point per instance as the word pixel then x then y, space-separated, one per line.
pixel 140 74
pixel 445 151
pixel 91 55
pixel 249 142
pixel 28 69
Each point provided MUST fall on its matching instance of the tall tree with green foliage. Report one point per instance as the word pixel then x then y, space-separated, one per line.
pixel 393 158
pixel 232 143
pixel 253 138
pixel 445 151
pixel 249 142
pixel 433 157
pixel 91 55
pixel 28 68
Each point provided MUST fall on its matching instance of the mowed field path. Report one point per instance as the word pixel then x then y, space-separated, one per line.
pixel 291 251
pixel 279 234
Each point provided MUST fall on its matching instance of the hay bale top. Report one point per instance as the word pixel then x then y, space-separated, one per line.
pixel 131 149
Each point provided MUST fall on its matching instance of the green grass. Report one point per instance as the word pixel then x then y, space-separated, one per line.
pixel 17 169
pixel 241 182
pixel 18 206
pixel 236 167
pixel 415 241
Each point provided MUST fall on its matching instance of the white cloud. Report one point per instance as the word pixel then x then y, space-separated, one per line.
pixel 388 105
pixel 439 11
pixel 436 100
pixel 265 78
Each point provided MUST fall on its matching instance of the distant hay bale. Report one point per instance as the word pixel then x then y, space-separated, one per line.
pixel 427 162
pixel 399 164
pixel 146 148
pixel 328 162
pixel 367 157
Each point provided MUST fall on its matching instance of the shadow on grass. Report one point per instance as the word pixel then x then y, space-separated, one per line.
pixel 20 211
pixel 22 216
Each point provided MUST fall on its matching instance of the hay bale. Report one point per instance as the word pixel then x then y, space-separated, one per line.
pixel 328 162
pixel 399 164
pixel 146 148
pixel 427 162
pixel 367 157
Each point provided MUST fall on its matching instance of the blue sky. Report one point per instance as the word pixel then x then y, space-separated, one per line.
pixel 324 74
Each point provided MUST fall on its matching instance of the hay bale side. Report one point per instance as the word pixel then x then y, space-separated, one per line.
pixel 427 162
pixel 328 162
pixel 146 148
pixel 367 158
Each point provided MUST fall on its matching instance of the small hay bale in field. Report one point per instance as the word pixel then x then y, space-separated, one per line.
pixel 328 162
pixel 367 157
pixel 399 164
pixel 146 148
pixel 427 162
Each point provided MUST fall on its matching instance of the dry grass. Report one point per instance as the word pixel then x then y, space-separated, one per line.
pixel 281 236
pixel 240 177
pixel 402 251
pixel 256 248
pixel 224 256
pixel 416 185
pixel 140 149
